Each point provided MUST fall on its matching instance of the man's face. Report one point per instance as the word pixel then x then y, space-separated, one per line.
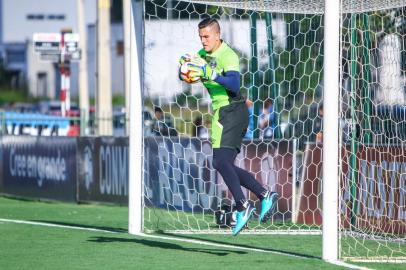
pixel 210 38
pixel 158 115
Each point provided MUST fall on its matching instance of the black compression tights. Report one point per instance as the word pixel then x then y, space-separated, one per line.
pixel 234 177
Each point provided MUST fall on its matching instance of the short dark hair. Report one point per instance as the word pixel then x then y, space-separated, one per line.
pixel 209 22
pixel 268 102
pixel 158 109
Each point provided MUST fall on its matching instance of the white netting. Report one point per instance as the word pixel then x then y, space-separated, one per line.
pixel 304 6
pixel 373 114
pixel 281 56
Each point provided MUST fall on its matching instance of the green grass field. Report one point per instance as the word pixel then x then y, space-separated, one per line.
pixel 25 246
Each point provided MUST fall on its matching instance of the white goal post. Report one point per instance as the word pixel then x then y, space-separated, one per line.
pixel 330 121
pixel 135 115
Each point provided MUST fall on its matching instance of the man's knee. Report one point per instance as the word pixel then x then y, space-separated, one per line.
pixel 218 162
pixel 223 157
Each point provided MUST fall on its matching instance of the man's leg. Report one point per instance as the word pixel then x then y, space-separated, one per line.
pixel 268 199
pixel 223 162
pixel 248 181
pixel 234 177
pixel 245 178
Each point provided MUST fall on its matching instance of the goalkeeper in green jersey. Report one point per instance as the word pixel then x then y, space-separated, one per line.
pixel 219 69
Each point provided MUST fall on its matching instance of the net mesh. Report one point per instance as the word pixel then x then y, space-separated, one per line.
pixel 304 6
pixel 373 135
pixel 280 44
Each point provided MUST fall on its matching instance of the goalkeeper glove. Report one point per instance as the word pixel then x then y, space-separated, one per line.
pixel 184 58
pixel 187 57
pixel 201 69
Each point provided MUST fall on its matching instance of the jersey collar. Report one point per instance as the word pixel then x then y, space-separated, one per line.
pixel 219 49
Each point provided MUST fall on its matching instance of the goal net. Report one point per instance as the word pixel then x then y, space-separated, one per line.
pixel 280 44
pixel 373 133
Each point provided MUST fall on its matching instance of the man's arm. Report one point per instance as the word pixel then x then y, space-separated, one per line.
pixel 230 80
pixel 263 119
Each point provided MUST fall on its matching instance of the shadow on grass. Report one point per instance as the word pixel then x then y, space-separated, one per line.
pixel 289 253
pixel 164 245
pixel 112 229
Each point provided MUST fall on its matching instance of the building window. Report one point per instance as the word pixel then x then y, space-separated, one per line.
pixel 40 17
pixel 120 47
pixel 37 17
pixel 59 17
pixel 13 56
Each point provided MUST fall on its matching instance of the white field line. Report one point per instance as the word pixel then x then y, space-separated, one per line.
pixel 192 241
pixel 251 232
pixel 383 260
pixel 348 265
pixel 54 225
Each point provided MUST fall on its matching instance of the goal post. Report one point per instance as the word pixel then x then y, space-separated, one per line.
pixel 326 87
pixel 135 198
pixel 330 129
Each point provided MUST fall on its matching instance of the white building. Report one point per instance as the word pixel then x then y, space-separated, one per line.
pixel 20 19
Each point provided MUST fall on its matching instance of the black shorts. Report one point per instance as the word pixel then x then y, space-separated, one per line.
pixel 229 125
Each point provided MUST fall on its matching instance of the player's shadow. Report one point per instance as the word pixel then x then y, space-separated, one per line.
pixel 163 245
pixel 280 251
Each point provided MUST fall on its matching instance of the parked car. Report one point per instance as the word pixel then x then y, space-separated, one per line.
pixel 54 108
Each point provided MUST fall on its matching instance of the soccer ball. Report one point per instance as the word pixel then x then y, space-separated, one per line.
pixel 186 75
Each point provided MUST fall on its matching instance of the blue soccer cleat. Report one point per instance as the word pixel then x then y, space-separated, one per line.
pixel 268 205
pixel 242 218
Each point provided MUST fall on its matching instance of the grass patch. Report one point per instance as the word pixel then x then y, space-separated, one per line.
pixel 36 247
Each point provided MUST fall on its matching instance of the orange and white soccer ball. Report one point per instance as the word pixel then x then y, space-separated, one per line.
pixel 187 75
